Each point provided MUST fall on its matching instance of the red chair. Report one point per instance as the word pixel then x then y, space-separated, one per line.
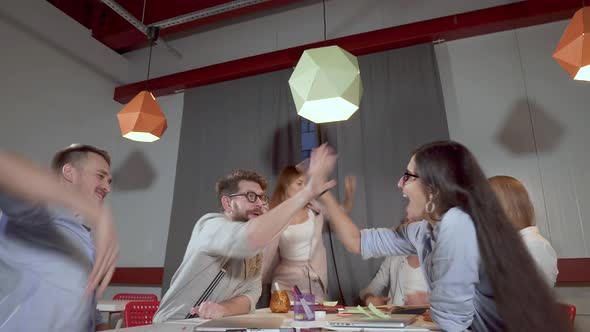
pixel 136 297
pixel 132 297
pixel 139 313
pixel 570 311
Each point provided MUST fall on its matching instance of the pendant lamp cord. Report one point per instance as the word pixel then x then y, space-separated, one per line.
pixel 324 5
pixel 150 53
pixel 152 35
pixel 149 64
pixel 143 11
pixel 327 225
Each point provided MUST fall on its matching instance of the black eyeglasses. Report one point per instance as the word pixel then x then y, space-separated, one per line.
pixel 252 197
pixel 407 176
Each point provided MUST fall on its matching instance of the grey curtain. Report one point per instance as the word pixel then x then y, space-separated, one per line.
pixel 402 108
pixel 249 123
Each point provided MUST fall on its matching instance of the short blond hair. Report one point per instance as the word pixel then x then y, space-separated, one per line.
pixel 75 154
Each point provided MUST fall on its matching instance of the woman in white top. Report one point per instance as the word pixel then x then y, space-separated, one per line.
pixel 298 256
pixel 516 203
pixel 401 278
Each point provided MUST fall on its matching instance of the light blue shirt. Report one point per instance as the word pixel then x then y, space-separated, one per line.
pixel 45 259
pixel 460 292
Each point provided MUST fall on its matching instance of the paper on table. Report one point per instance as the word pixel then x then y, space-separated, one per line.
pixel 377 312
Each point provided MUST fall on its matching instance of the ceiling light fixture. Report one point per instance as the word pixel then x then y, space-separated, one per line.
pixel 573 50
pixel 142 119
pixel 326 83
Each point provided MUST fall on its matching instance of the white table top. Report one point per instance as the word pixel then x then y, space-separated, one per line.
pixel 189 324
pixel 111 305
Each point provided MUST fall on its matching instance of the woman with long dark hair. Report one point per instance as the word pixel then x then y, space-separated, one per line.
pixel 478 270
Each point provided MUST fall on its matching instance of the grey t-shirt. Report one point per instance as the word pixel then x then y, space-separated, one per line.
pixel 214 241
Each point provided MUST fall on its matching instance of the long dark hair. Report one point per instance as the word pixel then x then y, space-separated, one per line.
pixel 452 174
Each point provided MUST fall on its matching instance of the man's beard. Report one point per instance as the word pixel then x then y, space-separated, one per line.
pixel 243 216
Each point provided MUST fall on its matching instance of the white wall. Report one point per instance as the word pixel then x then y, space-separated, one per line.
pixel 47 25
pixel 50 98
pixel 300 25
pixel 521 114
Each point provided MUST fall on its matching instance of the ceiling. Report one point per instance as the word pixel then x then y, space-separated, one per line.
pixel 119 35
pixel 115 32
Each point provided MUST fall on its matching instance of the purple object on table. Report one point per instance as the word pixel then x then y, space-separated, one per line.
pixel 303 307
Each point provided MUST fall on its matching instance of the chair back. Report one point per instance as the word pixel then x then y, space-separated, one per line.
pixel 135 297
pixel 140 313
pixel 570 311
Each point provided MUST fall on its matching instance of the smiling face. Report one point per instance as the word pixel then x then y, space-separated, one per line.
pixel 91 176
pixel 238 208
pixel 413 189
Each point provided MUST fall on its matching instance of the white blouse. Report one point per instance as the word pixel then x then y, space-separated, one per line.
pixel 295 241
pixel 413 279
pixel 542 252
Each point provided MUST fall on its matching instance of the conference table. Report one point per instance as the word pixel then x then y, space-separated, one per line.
pixel 188 325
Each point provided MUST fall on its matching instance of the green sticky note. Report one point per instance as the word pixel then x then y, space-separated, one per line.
pixel 377 312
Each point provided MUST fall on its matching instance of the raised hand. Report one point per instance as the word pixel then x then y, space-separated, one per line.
pixel 321 164
pixel 106 252
pixel 349 189
pixel 350 184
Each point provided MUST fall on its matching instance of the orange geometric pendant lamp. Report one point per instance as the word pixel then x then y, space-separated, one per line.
pixel 573 50
pixel 142 119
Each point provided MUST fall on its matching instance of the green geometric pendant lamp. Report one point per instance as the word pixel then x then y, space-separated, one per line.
pixel 326 84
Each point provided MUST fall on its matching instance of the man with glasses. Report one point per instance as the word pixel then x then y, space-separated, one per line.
pixel 220 272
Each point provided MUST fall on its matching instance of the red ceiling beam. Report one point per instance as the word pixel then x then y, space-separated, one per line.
pixel 501 18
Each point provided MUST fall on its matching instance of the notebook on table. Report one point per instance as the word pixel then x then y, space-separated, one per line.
pixel 395 321
pixel 243 323
pixel 328 309
pixel 413 310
